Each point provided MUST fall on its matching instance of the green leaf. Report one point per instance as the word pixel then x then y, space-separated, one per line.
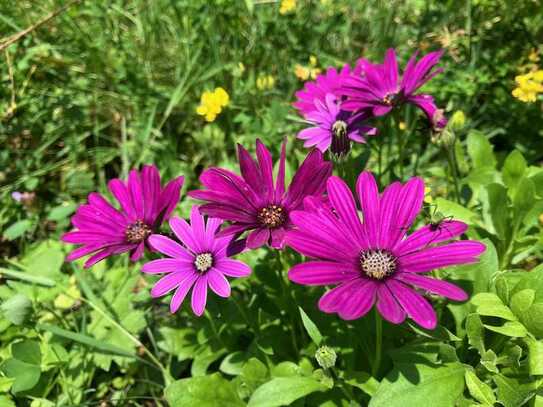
pixel 535 356
pixel 459 212
pixel 203 391
pixel 479 390
pixel 475 332
pixel 491 305
pixel 311 328
pixel 62 211
pixel 17 309
pixel 420 385
pixel 521 301
pixel 5 401
pixel 480 150
pixel 489 360
pixel 17 229
pixel 361 380
pixel 233 363
pixel 498 209
pixel 514 168
pixel 524 199
pixel 27 351
pixel 24 366
pixel 283 391
pixel 513 329
pixel 253 374
pixel 511 393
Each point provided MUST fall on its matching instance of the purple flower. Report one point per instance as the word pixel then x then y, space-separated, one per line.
pixel 329 82
pixel 203 261
pixel 103 230
pixel 254 202
pixel 374 261
pixel 380 88
pixel 334 128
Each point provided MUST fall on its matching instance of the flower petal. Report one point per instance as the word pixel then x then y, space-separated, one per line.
pixel 182 291
pixel 258 238
pixel 199 295
pixel 169 282
pixel 360 301
pixel 439 287
pixel 388 307
pixel 165 266
pixel 430 235
pixel 168 247
pixel 416 306
pixel 321 273
pixel 368 194
pixel 343 202
pixel 232 268
pixel 218 283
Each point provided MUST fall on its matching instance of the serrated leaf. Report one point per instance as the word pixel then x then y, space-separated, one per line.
pixel 521 301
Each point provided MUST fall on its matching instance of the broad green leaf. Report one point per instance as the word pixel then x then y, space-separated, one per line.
pixel 535 356
pixel 283 391
pixel 45 259
pixel 498 209
pixel 513 329
pixel 6 401
pixel 62 211
pixel 17 229
pixel 27 351
pixel 233 363
pixel 420 385
pixel 17 309
pixel 203 391
pixel 311 328
pixel 458 212
pixel 253 374
pixel 479 390
pixel 361 380
pixel 24 366
pixel 524 199
pixel 480 150
pixel 475 332
pixel 286 369
pixel 532 318
pixel 521 301
pixel 489 304
pixel 203 358
pixel 514 168
pixel 489 360
pixel 511 393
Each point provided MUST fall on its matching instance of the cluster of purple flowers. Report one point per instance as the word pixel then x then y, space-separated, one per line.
pixel 338 105
pixel 364 250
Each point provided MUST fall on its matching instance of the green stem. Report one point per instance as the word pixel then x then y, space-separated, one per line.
pixel 378 344
pixel 289 302
pixel 452 166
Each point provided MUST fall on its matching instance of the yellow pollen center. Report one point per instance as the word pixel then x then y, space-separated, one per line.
pixel 137 232
pixel 377 264
pixel 272 216
pixel 203 262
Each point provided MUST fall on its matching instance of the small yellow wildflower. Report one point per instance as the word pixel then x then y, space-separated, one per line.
pixel 211 103
pixel 428 195
pixel 265 82
pixel 312 60
pixel 302 72
pixel 534 55
pixel 529 86
pixel 402 126
pixel 287 6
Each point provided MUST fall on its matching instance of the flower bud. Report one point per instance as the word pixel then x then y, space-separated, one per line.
pixel 326 357
pixel 458 121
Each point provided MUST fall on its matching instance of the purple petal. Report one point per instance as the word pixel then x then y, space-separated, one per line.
pixel 185 234
pixel 249 170
pixel 388 307
pixel 119 190
pixel 104 207
pixel 429 235
pixel 169 282
pixel 342 201
pixel 138 252
pixel 389 222
pixel 360 301
pixel 416 306
pixel 218 283
pixel 181 292
pixel 439 287
pixel 106 252
pixel 462 252
pixel 232 268
pixel 150 180
pixel 198 228
pixel 199 295
pixel 321 273
pixel 280 181
pixel 258 238
pixel 334 299
pixel 169 198
pixel 83 251
pixel 168 247
pixel 368 194
pixel 164 266
pixel 136 193
pixel 266 167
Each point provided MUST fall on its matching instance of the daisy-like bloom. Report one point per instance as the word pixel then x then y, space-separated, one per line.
pixel 379 87
pixel 334 128
pixel 329 82
pixel 254 202
pixel 202 261
pixel 374 261
pixel 103 230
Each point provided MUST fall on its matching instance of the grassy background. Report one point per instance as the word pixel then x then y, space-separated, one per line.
pixel 109 85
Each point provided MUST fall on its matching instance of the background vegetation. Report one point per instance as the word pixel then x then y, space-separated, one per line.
pixel 109 85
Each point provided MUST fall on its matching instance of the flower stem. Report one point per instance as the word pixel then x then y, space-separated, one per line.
pixel 378 343
pixel 454 173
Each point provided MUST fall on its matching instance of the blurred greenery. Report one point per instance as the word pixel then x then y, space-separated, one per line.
pixel 106 86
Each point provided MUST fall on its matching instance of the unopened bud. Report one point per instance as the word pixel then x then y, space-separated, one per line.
pixel 326 357
pixel 458 121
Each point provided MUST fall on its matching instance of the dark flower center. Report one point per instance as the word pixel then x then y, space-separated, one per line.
pixel 137 232
pixel 272 216
pixel 341 145
pixel 203 262
pixel 377 264
pixel 391 99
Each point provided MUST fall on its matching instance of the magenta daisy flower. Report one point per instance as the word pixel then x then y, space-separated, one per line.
pixel 374 261
pixel 380 88
pixel 203 261
pixel 103 230
pixel 255 202
pixel 334 128
pixel 329 82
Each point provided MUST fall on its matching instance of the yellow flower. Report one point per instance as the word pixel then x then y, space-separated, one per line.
pixel 287 6
pixel 534 55
pixel 301 72
pixel 211 103
pixel 265 82
pixel 402 126
pixel 313 60
pixel 427 195
pixel 314 72
pixel 529 86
